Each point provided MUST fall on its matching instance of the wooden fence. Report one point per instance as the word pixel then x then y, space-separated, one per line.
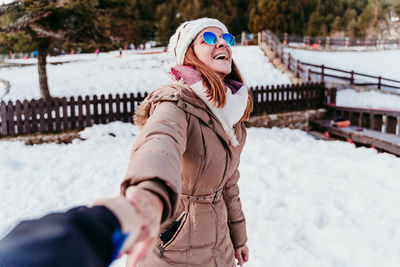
pixel 275 99
pixel 320 73
pixel 62 114
pixel 377 128
pixel 352 77
pixel 380 120
pixel 329 43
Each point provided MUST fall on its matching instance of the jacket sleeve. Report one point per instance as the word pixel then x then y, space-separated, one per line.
pixel 156 157
pixel 236 219
pixel 79 237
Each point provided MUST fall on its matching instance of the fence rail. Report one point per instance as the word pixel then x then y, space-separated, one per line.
pixel 354 78
pixel 62 114
pixel 328 42
pixel 275 99
pixel 380 120
pixel 320 73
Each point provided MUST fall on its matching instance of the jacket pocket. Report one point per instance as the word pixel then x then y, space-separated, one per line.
pixel 172 231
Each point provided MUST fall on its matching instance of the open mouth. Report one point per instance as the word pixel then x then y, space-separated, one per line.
pixel 221 57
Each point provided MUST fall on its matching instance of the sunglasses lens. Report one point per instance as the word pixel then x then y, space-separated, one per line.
pixel 210 38
pixel 229 39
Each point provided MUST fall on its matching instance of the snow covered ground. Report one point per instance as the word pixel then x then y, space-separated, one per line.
pixel 385 63
pixel 87 74
pixel 308 202
pixel 375 63
pixel 370 99
pixel 2 89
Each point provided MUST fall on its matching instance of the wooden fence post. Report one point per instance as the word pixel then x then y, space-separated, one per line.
pixel 72 118
pixel 333 96
pixel 27 115
pixel 289 59
pixel 125 113
pixel 322 73
pixel 132 100
pixel 49 115
pixel 88 119
pixel 58 118
pixel 3 113
pixel 34 116
pixel 351 77
pixel 379 82
pixel 80 112
pixel 111 114
pixel 309 75
pixel 10 118
pixel 18 115
pixel 66 124
pixel 103 109
pixel 42 125
pixel 118 107
pixel 96 116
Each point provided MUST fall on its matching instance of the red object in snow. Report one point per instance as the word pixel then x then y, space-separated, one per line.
pixel 350 141
pixel 327 135
pixel 341 124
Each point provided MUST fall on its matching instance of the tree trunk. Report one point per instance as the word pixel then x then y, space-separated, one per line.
pixel 42 54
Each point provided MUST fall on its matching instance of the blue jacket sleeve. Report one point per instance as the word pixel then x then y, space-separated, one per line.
pixel 79 237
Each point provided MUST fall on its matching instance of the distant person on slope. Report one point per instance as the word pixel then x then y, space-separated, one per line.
pixel 188 152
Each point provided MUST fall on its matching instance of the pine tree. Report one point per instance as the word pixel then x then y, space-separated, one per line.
pixel 49 22
pixel 397 9
pixel 169 18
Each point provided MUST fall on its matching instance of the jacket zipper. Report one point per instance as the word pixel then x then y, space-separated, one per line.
pixel 203 162
pixel 183 217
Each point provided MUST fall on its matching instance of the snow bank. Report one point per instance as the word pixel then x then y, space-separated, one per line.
pixel 307 202
pixel 88 74
pixel 370 99
pixel 384 63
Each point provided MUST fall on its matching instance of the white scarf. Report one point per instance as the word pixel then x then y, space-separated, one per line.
pixel 231 113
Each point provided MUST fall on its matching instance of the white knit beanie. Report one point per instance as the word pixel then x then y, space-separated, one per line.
pixel 186 33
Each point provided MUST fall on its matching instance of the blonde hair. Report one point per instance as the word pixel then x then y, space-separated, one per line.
pixel 215 84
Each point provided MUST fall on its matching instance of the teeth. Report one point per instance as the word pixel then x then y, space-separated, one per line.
pixel 221 56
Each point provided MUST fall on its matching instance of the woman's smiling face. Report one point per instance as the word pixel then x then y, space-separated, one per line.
pixel 217 57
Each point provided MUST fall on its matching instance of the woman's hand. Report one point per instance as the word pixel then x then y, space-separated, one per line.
pixel 150 208
pixel 242 255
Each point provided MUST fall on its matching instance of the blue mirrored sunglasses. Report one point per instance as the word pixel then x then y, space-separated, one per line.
pixel 211 39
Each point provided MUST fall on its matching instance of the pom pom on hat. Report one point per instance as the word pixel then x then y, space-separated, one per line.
pixel 186 33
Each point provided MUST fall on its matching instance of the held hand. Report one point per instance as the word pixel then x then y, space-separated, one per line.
pixel 242 255
pixel 150 208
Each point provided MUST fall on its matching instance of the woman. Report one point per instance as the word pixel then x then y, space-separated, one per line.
pixel 188 153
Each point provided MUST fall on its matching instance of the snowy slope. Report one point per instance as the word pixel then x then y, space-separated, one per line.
pixel 375 63
pixel 307 202
pixel 87 74
pixel 385 63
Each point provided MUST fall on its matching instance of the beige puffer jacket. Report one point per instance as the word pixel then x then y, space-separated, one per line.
pixel 183 155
